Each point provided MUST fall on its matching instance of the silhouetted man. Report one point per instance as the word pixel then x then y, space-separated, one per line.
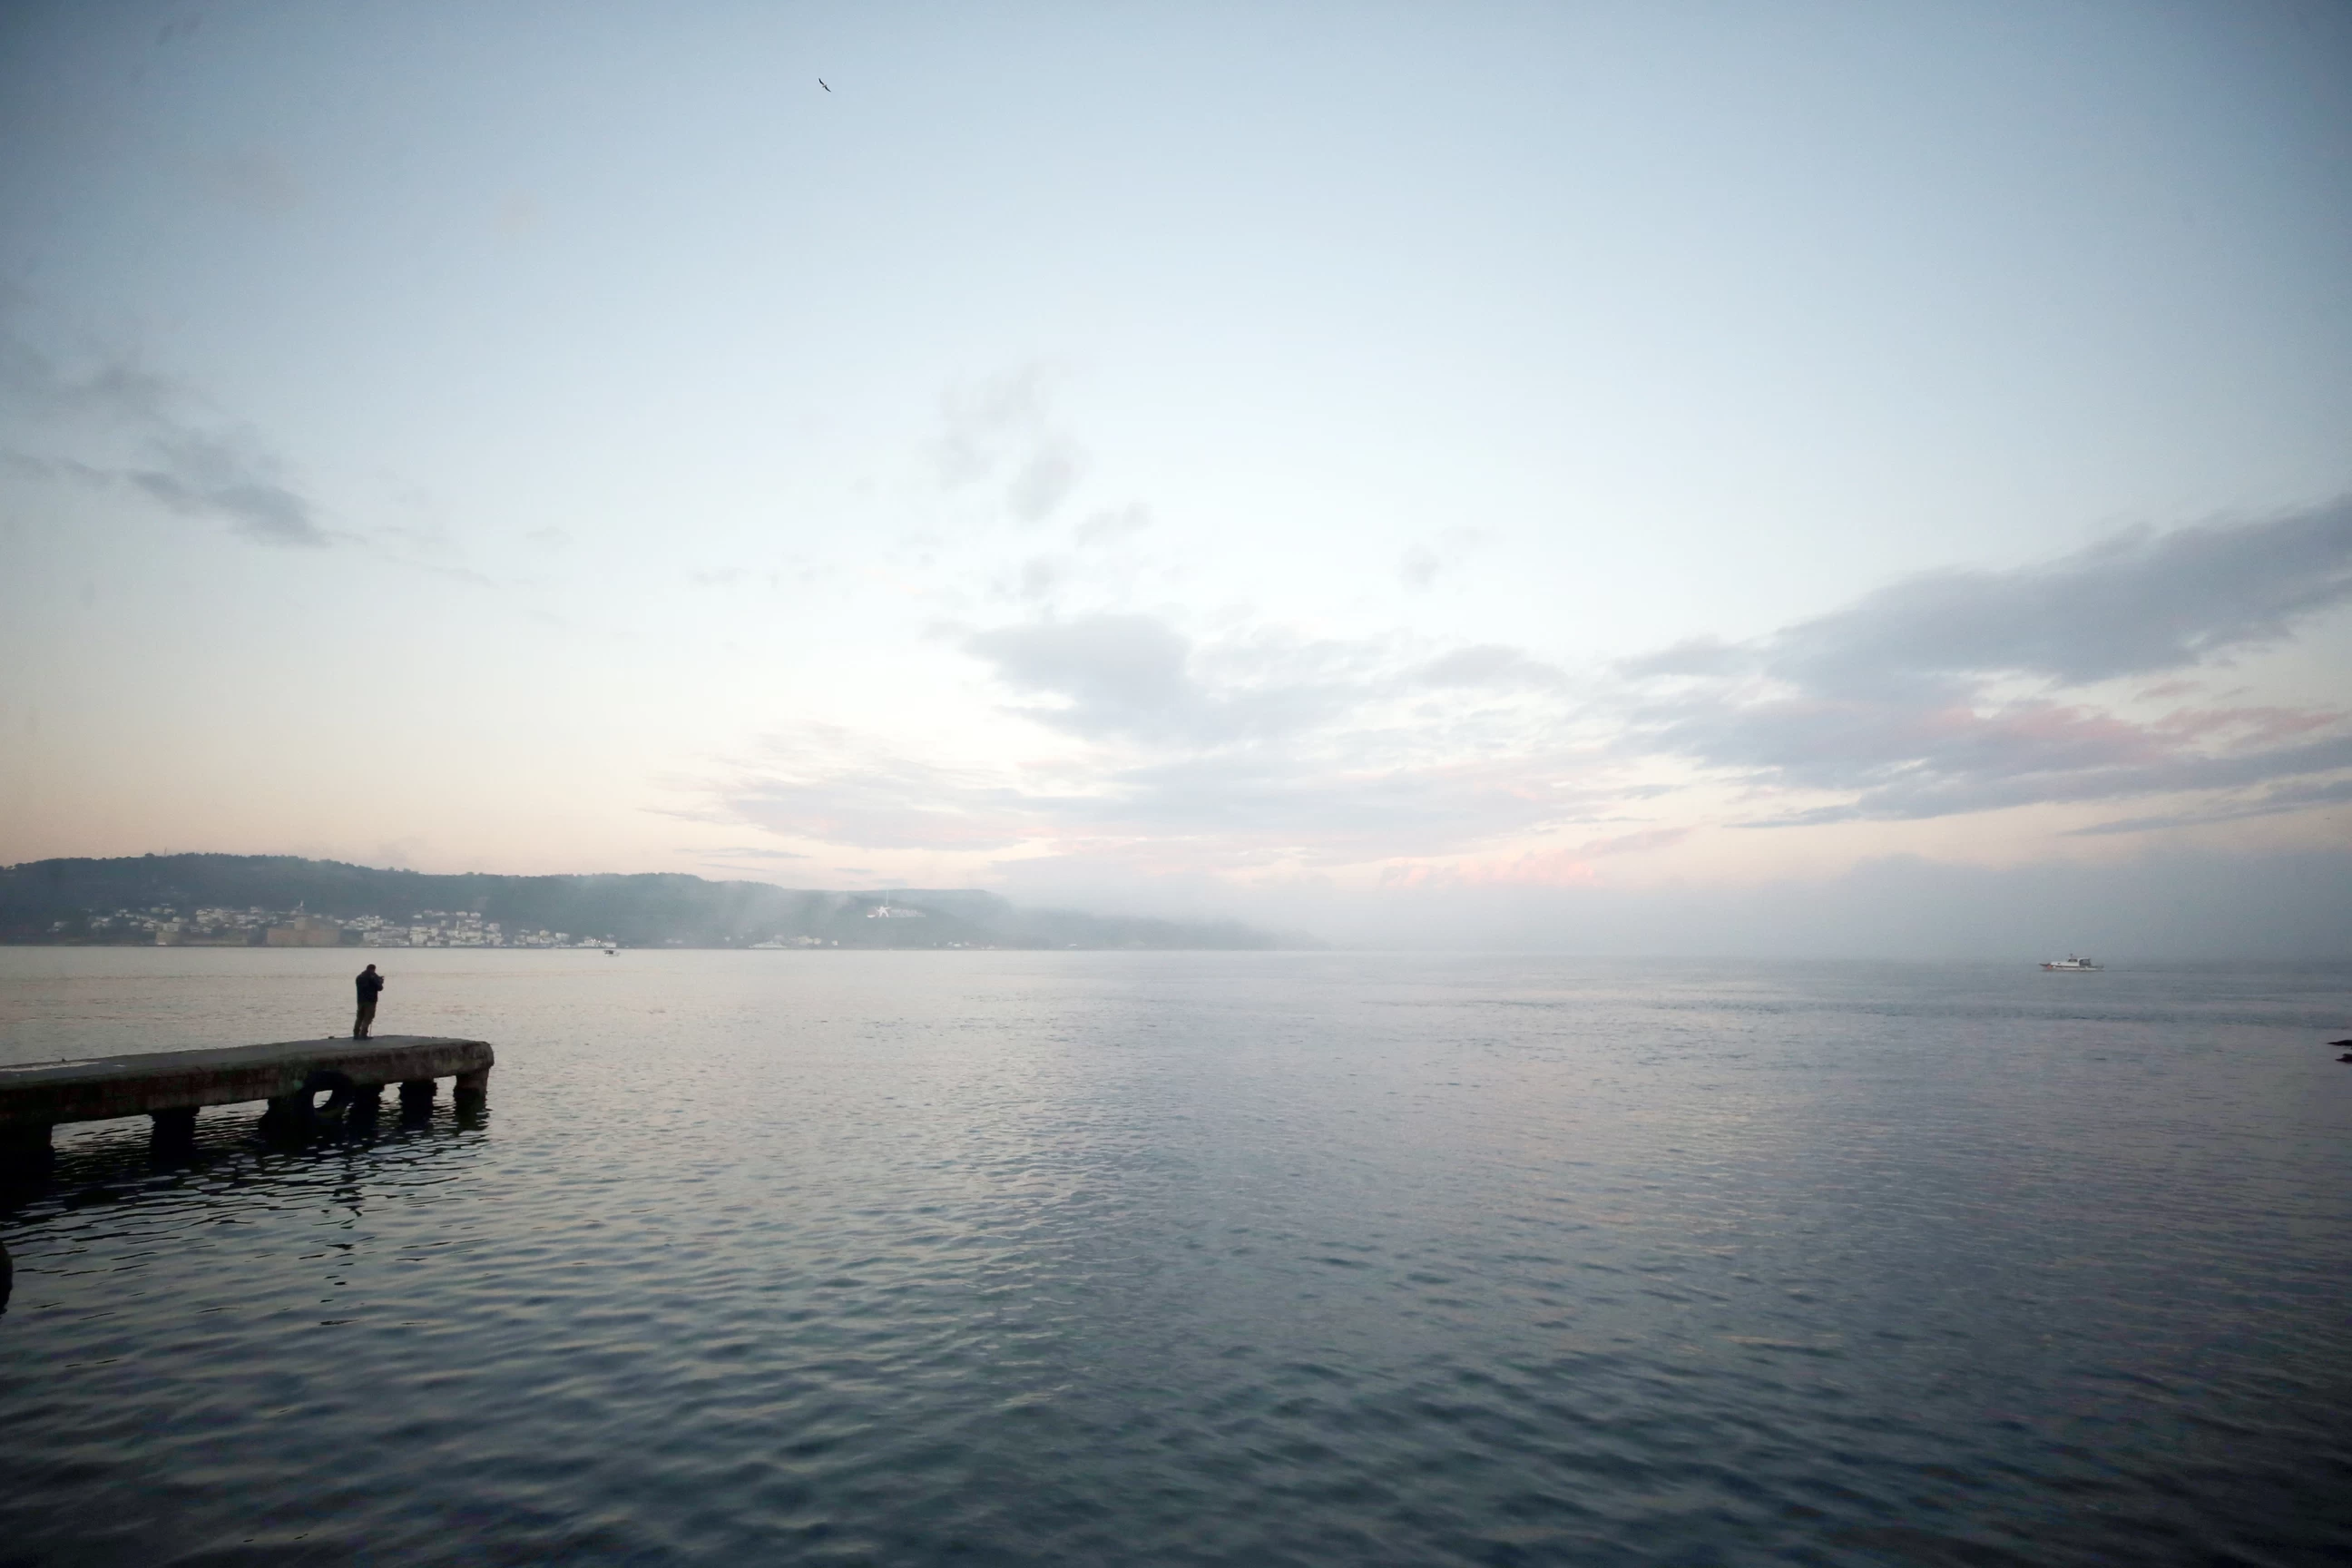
pixel 369 984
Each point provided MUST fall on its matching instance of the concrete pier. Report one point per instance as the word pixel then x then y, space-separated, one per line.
pixel 170 1086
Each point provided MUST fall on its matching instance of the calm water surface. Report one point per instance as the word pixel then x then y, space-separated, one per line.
pixel 1174 1258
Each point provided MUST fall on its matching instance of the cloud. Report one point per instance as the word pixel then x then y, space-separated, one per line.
pixel 1699 656
pixel 202 475
pixel 1114 674
pixel 1043 481
pixel 1109 527
pixel 1247 751
pixel 1987 789
pixel 1569 866
pixel 826 784
pixel 1963 692
pixel 977 418
pixel 2292 798
pixel 1217 812
pixel 1423 560
pixel 1345 811
pixel 2137 603
pixel 191 469
pixel 31 383
pixel 1040 575
pixel 988 424
pixel 1489 665
pixel 1134 677
pixel 1178 754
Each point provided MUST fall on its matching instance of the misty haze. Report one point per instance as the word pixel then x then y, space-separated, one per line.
pixel 1178 785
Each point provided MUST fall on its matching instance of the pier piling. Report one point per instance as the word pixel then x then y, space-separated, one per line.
pixel 170 1086
pixel 174 1127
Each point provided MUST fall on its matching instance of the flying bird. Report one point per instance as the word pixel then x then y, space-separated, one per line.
pixel 820 81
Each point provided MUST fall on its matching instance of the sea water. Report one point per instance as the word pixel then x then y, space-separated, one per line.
pixel 1265 1259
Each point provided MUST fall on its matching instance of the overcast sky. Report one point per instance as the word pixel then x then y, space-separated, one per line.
pixel 1344 465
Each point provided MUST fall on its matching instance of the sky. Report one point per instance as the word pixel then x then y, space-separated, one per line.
pixel 1815 477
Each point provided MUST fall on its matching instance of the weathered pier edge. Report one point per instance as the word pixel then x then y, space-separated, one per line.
pixel 170 1086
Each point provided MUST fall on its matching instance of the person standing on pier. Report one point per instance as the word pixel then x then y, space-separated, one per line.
pixel 370 982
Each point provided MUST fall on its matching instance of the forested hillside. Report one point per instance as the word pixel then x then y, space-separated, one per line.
pixel 123 900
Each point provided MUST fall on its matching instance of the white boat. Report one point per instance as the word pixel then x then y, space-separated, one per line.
pixel 2070 964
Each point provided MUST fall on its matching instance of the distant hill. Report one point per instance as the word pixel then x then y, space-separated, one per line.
pixel 82 900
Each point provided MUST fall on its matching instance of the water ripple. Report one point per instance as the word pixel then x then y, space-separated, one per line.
pixel 1072 1259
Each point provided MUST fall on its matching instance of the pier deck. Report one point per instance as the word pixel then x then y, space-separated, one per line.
pixel 173 1086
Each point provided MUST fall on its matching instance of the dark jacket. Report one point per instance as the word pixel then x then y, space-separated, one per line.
pixel 369 985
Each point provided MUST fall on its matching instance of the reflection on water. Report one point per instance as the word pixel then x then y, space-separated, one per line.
pixel 1193 1258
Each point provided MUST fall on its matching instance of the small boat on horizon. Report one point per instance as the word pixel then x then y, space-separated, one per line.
pixel 2070 964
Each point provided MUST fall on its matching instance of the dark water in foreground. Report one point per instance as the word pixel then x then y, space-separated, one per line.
pixel 1258 1259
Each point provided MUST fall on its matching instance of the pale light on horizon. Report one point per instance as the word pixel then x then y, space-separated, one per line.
pixel 1347 469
